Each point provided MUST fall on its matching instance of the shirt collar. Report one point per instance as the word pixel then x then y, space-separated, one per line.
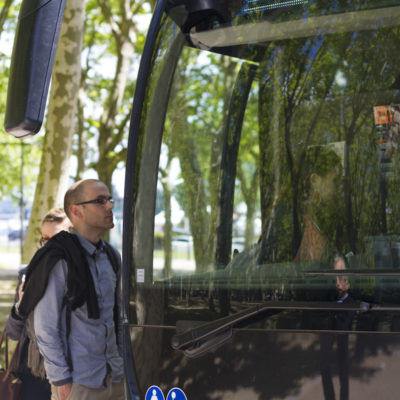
pixel 87 245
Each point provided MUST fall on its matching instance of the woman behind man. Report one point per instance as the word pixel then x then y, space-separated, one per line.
pixel 33 388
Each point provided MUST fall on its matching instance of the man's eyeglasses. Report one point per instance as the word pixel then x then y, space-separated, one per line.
pixel 100 200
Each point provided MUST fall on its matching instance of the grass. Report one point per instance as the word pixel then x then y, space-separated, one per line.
pixel 9 257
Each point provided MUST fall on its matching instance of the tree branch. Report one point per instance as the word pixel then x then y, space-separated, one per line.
pixel 108 14
pixel 4 13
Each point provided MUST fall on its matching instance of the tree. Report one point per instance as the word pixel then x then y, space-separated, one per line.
pixel 53 176
pixel 114 35
pixel 167 239
pixel 232 138
pixel 199 121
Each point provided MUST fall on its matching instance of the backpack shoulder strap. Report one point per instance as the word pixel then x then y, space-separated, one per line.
pixel 112 256
pixel 115 262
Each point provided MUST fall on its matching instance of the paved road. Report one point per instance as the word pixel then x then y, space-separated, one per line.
pixel 9 264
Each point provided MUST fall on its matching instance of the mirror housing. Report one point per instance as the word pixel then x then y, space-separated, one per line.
pixel 35 45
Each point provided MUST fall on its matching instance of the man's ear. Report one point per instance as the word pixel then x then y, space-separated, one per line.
pixel 75 211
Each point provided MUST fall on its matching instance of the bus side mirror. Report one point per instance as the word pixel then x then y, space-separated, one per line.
pixel 32 62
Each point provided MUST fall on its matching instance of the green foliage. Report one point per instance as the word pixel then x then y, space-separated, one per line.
pixel 106 109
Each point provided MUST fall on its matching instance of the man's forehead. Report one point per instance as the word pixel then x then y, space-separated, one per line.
pixel 96 189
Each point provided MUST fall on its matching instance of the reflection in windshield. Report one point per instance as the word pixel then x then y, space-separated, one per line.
pixel 339 356
pixel 287 156
pixel 277 161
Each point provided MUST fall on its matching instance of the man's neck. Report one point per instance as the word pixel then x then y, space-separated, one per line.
pixel 92 237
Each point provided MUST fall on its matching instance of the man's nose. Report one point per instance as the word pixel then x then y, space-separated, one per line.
pixel 109 205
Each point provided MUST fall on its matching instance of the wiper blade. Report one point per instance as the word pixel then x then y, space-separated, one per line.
pixel 202 338
pixel 353 272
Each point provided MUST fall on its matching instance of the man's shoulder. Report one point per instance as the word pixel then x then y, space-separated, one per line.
pixel 113 254
pixel 111 247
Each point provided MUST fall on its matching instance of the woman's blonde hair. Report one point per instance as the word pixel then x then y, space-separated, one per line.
pixel 56 214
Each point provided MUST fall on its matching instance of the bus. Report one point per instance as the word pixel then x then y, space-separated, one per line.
pixel 261 231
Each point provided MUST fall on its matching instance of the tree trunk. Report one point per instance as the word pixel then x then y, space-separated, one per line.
pixel 232 134
pixel 270 144
pixel 251 199
pixel 81 152
pixel 185 149
pixel 53 176
pixel 194 190
pixel 167 239
pixel 228 68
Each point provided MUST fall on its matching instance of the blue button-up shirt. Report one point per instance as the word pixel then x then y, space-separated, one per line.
pixel 92 342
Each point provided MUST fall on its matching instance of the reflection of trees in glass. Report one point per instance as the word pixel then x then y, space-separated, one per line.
pixel 302 103
pixel 248 168
pixel 167 238
pixel 195 122
pixel 311 91
pixel 229 161
pixel 296 78
pixel 183 146
pixel 367 84
pixel 393 204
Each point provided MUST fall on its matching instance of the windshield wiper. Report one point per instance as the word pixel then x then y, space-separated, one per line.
pixel 202 338
pixel 353 272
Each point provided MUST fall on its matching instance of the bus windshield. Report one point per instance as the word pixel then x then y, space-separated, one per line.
pixel 271 139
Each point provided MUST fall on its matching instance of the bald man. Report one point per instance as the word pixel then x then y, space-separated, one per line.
pixel 77 321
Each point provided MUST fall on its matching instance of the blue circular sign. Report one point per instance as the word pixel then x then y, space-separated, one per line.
pixel 154 393
pixel 176 394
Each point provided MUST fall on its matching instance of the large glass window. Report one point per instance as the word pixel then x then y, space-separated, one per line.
pixel 274 176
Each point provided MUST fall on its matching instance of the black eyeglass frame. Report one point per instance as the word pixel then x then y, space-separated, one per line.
pixel 100 200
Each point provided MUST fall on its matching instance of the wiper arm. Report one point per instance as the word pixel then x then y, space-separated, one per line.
pixel 353 272
pixel 202 338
